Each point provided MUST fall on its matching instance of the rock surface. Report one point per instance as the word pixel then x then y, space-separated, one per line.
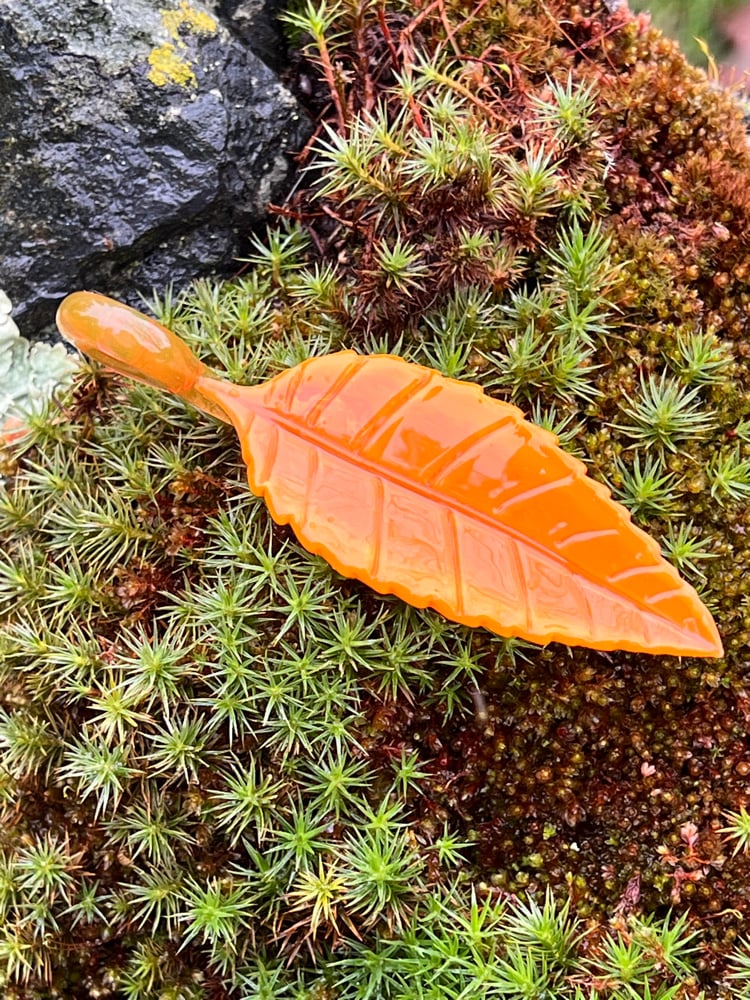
pixel 141 143
pixel 256 22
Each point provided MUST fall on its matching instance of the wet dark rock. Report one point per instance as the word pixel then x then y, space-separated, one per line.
pixel 140 146
pixel 256 22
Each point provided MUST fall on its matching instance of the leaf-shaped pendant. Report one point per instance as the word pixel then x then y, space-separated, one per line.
pixel 424 487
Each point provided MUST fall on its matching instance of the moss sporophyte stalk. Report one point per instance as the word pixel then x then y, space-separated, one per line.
pixel 226 771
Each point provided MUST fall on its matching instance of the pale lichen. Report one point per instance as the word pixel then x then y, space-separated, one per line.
pixel 28 373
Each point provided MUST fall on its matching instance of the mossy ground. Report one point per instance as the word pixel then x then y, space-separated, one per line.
pixel 229 772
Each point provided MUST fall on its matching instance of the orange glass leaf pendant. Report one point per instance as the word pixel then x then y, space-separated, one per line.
pixel 426 488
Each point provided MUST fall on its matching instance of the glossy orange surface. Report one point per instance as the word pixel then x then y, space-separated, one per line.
pixel 426 488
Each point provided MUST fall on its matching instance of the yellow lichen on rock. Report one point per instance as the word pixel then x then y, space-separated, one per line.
pixel 198 21
pixel 170 62
pixel 170 66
